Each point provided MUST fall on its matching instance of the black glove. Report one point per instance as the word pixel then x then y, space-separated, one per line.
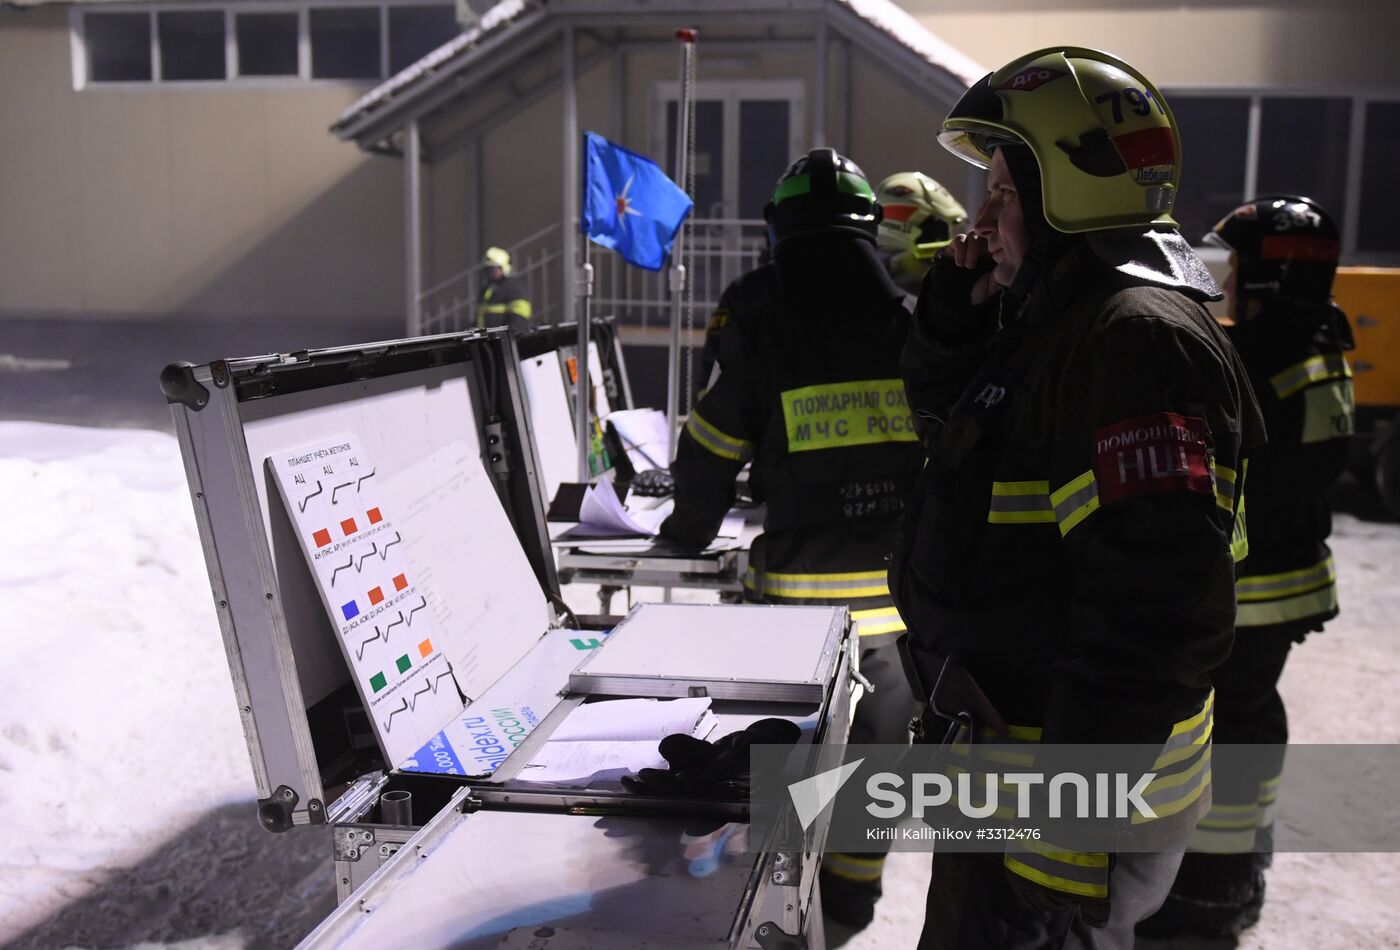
pixel 945 310
pixel 654 483
pixel 716 770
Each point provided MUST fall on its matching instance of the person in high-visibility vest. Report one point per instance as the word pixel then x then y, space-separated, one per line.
pixel 1283 256
pixel 808 388
pixel 503 302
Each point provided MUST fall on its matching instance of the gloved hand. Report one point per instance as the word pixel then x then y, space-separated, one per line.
pixel 654 483
pixel 700 769
pixel 946 309
pixel 1094 910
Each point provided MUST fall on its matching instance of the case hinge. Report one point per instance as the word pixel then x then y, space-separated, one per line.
pixel 496 452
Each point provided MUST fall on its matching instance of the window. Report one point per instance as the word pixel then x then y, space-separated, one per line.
pixel 191 45
pixel 1380 199
pixel 414 32
pixel 357 40
pixel 267 44
pixel 345 43
pixel 1213 140
pixel 1242 144
pixel 118 46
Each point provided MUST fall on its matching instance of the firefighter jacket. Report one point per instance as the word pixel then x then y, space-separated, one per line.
pixel 1294 354
pixel 812 394
pixel 503 304
pixel 1071 542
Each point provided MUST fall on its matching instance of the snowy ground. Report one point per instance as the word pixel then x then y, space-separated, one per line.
pixel 126 783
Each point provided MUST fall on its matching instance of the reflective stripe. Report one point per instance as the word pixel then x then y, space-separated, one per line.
pixel 1187 735
pixel 722 444
pixel 521 308
pixel 1065 871
pixel 841 415
pixel 854 867
pixel 1239 534
pixel 1311 370
pixel 1224 486
pixel 1288 583
pixel 1263 613
pixel 1075 500
pixel 1221 840
pixel 1175 793
pixel 872 623
pixel 1020 503
pixel 853 584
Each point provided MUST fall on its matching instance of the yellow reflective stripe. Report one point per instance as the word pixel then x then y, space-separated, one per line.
pixel 1083 859
pixel 855 584
pixel 1187 735
pixel 521 308
pixel 1311 370
pixel 494 308
pixel 879 620
pixel 1224 486
pixel 1020 503
pixel 1060 876
pixel 1075 500
pixel 840 415
pixel 1287 584
pixel 1175 793
pixel 720 443
pixel 1239 534
pixel 1264 613
pixel 1215 841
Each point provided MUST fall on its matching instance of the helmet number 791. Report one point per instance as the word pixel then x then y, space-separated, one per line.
pixel 1140 101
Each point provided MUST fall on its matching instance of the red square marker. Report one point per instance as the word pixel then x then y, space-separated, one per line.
pixel 374 516
pixel 400 582
pixel 348 526
pixel 425 648
pixel 322 538
pixel 376 595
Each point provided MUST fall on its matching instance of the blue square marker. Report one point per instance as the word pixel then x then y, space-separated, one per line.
pixel 350 610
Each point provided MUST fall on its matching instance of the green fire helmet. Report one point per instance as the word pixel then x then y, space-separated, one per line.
pixel 497 257
pixel 1103 136
pixel 920 214
pixel 822 191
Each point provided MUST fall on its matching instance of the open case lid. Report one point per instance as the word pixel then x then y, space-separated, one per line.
pixel 725 651
pixel 439 420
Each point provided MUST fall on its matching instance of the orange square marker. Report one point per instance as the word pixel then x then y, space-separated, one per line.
pixel 425 648
pixel 348 526
pixel 376 595
pixel 400 582
pixel 322 538
pixel 374 516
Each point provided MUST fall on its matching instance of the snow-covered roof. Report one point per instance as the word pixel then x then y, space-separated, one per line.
pixel 508 19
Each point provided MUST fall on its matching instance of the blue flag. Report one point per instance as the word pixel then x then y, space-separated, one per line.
pixel 629 204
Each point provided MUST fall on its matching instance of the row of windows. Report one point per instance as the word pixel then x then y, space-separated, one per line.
pixel 315 42
pixel 1303 145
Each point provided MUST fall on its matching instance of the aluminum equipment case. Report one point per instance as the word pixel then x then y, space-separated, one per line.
pixel 435 879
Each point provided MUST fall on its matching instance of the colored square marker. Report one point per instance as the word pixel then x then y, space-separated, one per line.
pixel 376 595
pixel 350 610
pixel 322 538
pixel 403 663
pixel 425 648
pixel 400 582
pixel 378 682
pixel 374 516
pixel 348 526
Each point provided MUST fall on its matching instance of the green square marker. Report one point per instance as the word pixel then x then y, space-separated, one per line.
pixel 378 682
pixel 404 663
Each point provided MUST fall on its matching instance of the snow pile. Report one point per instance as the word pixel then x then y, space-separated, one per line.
pixel 117 719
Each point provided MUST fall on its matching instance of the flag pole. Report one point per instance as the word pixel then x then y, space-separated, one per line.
pixel 687 38
pixel 582 387
pixel 582 273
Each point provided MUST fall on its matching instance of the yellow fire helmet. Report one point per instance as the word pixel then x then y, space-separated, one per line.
pixel 920 214
pixel 1103 135
pixel 497 257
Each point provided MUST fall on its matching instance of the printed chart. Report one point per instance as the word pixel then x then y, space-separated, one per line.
pixel 331 490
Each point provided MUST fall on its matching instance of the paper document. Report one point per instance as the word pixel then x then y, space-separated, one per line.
pixel 605 740
pixel 644 436
pixel 602 513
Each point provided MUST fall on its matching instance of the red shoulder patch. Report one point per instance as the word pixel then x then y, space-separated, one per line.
pixel 1150 455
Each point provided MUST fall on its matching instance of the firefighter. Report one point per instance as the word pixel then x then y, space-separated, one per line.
pixel 811 393
pixel 1070 545
pixel 503 301
pixel 1291 336
pixel 920 219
